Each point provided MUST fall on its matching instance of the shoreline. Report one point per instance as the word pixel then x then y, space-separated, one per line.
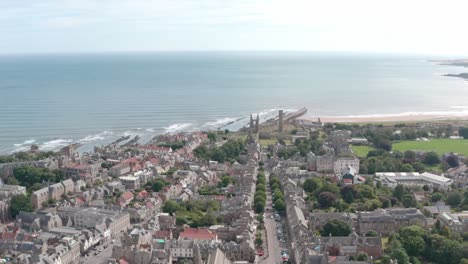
pixel 385 118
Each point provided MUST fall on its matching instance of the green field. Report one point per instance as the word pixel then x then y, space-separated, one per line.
pixel 440 146
pixel 361 151
pixel 265 142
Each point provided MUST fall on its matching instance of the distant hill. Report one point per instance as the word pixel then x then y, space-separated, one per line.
pixel 460 75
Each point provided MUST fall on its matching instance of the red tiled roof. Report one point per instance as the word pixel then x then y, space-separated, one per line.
pixel 348 180
pixel 162 234
pixel 197 233
pixel 152 147
pixel 123 260
pixel 127 195
pixel 76 166
pixel 154 161
pixel 7 235
pixel 143 193
pixel 219 197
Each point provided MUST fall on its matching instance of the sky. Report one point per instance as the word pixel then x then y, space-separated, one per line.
pixel 397 26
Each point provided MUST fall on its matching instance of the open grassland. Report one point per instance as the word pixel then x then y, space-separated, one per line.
pixel 440 146
pixel 265 142
pixel 361 151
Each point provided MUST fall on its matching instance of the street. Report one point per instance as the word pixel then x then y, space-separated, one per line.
pixel 100 258
pixel 274 246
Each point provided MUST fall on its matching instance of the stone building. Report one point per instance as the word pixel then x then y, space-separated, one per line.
pixel 90 217
pixel 8 191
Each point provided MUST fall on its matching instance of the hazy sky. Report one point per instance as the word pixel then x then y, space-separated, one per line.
pixel 397 26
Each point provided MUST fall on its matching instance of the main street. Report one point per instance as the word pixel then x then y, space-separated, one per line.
pixel 100 258
pixel 274 246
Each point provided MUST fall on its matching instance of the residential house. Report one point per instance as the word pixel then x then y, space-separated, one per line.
pixel 125 199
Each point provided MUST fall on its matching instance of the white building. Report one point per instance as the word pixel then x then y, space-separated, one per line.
pixel 342 164
pixel 413 179
pixel 130 182
pixel 438 181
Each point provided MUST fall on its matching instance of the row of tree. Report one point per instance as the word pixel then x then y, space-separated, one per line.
pixel 412 244
pixel 194 213
pixel 260 193
pixel 396 161
pixel 229 151
pixel 277 195
pixel 33 177
pixel 26 156
pixel 336 196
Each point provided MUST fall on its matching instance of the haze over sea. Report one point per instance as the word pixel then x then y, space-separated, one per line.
pixel 93 99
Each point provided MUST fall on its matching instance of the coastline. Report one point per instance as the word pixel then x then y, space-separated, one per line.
pixel 385 118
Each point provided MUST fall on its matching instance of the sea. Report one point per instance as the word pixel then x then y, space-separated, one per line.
pixel 56 99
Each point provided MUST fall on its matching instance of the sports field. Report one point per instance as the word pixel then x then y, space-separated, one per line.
pixel 441 146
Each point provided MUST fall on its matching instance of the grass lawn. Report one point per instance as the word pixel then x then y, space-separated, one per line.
pixel 440 146
pixel 265 142
pixel 361 151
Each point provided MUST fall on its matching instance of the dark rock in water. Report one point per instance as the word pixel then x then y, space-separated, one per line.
pixel 460 75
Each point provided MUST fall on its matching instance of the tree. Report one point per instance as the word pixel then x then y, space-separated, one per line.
pixel 437 196
pixel 443 250
pixel 385 202
pixel 336 227
pixel 412 240
pixel 349 193
pixel 258 240
pixel 365 191
pixel 400 255
pixel 212 137
pixel 406 168
pixel 454 198
pixel 259 207
pixel 409 156
pixel 158 185
pixel 278 195
pixel 409 201
pixel 170 207
pixel 463 131
pixel 453 161
pixel 312 184
pixel 207 220
pixel 280 205
pixel 418 166
pixel 20 203
pixel 399 191
pixel 225 180
pixel 12 181
pixel 372 233
pixel 181 220
pixel 29 175
pixel 431 158
pixel 326 199
pixel 361 256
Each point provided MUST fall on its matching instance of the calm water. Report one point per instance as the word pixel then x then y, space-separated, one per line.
pixel 52 100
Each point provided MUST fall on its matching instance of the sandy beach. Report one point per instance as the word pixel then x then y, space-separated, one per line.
pixel 384 118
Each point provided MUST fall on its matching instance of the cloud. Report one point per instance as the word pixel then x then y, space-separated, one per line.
pixel 359 25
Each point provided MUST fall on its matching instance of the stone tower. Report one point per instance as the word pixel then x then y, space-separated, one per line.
pixel 280 121
pixel 257 124
pixel 251 125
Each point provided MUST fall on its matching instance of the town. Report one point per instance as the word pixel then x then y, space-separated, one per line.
pixel 287 190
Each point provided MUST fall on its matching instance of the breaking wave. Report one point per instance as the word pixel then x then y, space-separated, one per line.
pixel 177 127
pixel 220 122
pixel 55 144
pixel 100 136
